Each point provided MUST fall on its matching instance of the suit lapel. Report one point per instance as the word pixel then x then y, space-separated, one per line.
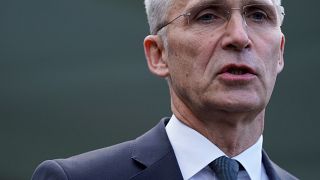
pixel 269 166
pixel 154 152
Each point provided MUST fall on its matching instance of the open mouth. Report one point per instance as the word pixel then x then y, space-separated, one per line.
pixel 237 70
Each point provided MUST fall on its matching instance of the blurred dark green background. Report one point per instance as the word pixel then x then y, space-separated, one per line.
pixel 74 78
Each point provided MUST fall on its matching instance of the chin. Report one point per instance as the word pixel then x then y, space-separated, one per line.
pixel 239 105
pixel 241 108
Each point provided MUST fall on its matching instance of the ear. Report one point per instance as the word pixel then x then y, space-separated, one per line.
pixel 281 55
pixel 155 55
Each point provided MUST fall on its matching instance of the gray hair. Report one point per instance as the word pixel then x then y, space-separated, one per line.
pixel 157 12
pixel 277 2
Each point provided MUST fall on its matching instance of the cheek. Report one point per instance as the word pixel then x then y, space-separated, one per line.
pixel 269 50
pixel 187 60
pixel 180 55
pixel 274 59
pixel 183 47
pixel 270 54
pixel 191 52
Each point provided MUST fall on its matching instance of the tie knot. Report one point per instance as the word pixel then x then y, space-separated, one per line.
pixel 225 168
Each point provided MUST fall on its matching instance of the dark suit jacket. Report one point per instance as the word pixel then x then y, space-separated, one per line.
pixel 149 157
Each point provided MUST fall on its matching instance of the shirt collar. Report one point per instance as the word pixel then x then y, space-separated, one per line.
pixel 194 151
pixel 251 159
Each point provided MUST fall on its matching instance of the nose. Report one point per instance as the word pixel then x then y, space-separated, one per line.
pixel 236 35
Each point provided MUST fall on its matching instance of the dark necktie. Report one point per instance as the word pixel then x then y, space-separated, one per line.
pixel 225 168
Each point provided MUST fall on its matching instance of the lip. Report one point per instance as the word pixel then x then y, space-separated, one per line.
pixel 226 76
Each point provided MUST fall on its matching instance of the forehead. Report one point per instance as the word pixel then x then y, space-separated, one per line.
pixel 179 5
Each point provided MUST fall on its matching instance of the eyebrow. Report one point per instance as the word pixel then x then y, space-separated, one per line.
pixel 194 6
pixel 206 2
pixel 244 2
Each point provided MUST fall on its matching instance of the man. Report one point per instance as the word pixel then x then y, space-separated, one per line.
pixel 220 59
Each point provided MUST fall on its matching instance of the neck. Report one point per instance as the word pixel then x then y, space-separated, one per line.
pixel 232 132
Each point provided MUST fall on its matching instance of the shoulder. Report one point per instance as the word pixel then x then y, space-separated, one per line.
pixel 146 157
pixel 103 163
pixel 283 174
pixel 273 170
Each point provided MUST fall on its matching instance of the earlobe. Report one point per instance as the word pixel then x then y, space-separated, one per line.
pixel 153 49
pixel 281 54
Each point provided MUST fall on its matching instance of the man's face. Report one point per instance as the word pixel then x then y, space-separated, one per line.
pixel 232 68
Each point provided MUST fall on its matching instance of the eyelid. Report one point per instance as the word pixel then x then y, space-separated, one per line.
pixel 267 11
pixel 194 11
pixel 214 9
pixel 256 11
pixel 205 12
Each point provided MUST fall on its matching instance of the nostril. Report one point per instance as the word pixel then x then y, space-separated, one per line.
pixel 238 44
pixel 236 47
pixel 231 46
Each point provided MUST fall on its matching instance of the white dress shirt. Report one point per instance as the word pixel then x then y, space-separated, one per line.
pixel 194 152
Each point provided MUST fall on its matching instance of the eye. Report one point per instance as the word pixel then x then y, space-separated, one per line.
pixel 210 15
pixel 260 14
pixel 257 16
